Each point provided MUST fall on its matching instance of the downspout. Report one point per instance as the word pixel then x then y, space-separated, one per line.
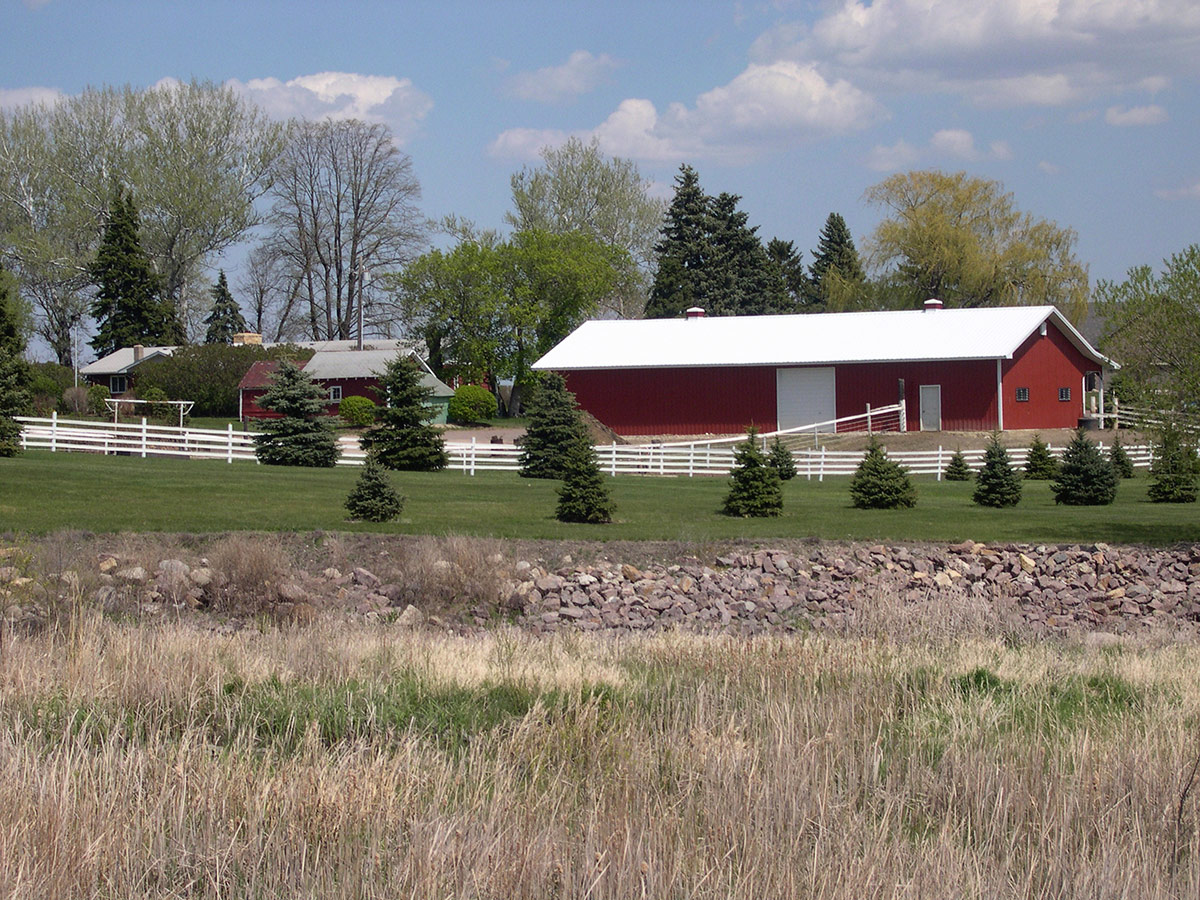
pixel 999 395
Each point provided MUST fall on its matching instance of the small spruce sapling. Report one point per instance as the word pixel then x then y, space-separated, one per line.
pixel 1085 477
pixel 1040 464
pixel 583 497
pixel 1119 459
pixel 880 483
pixel 373 499
pixel 555 426
pixel 402 437
pixel 997 484
pixel 755 490
pixel 302 436
pixel 1174 468
pixel 957 470
pixel 781 460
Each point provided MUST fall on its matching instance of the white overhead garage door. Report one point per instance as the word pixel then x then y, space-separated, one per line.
pixel 805 396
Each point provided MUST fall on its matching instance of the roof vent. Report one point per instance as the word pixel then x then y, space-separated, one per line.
pixel 932 304
pixel 695 312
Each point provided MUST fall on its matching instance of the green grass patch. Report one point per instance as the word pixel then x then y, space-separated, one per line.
pixel 42 492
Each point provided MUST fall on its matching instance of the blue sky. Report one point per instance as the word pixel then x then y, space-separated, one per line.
pixel 1088 111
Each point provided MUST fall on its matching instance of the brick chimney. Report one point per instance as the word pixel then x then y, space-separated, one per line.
pixel 138 352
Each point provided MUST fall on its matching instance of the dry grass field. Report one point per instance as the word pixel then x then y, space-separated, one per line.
pixel 926 754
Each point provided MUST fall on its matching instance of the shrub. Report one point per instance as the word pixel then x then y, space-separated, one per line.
pixel 781 460
pixel 402 437
pixel 880 483
pixel 1085 477
pixel 583 497
pixel 1119 459
pixel 1174 468
pixel 755 490
pixel 303 435
pixel 1040 464
pixel 156 397
pixel 47 385
pixel 471 403
pixel 74 400
pixel 373 498
pixel 555 426
pixel 97 394
pixel 357 412
pixel 997 484
pixel 957 470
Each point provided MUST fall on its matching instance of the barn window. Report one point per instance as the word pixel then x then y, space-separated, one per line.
pixel 1022 395
pixel 117 384
pixel 1064 394
pixel 335 393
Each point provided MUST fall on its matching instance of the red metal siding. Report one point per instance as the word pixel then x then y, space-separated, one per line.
pixel 968 391
pixel 1043 365
pixel 678 401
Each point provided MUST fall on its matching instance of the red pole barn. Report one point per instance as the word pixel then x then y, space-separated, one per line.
pixel 962 369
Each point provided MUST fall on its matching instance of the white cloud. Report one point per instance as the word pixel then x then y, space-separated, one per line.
pixel 1137 115
pixel 949 143
pixel 343 95
pixel 580 74
pixel 901 155
pixel 998 52
pixel 954 142
pixel 1187 191
pixel 1048 167
pixel 763 109
pixel 11 98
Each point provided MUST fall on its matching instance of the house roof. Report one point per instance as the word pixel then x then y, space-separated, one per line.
pixel 259 375
pixel 119 362
pixel 820 339
pixel 331 365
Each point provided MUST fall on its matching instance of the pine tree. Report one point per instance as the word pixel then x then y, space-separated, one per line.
pixel 788 260
pixel 555 427
pixel 373 498
pixel 755 490
pixel 302 436
pixel 742 281
pixel 128 308
pixel 997 484
pixel 683 252
pixel 1119 459
pixel 1174 468
pixel 880 483
pixel 957 470
pixel 1085 477
pixel 1040 464
pixel 583 497
pixel 14 371
pixel 781 460
pixel 402 437
pixel 835 257
pixel 225 320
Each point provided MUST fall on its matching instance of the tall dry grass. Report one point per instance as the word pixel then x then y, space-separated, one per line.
pixel 351 761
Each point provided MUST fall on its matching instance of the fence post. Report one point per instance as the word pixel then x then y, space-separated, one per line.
pixel 903 415
pixel 939 478
pixel 808 464
pixel 229 438
pixel 143 437
pixel 612 464
pixel 692 460
pixel 472 456
pixel 54 431
pixel 868 418
pixel 821 473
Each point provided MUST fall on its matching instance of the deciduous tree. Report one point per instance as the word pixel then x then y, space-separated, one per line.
pixel 963 240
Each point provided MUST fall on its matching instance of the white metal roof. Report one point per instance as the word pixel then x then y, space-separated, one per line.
pixel 121 361
pixel 818 339
pixel 329 364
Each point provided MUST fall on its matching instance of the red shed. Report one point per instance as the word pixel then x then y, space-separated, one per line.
pixel 963 369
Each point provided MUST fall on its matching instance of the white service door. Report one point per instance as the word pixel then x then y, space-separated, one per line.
pixel 931 407
pixel 805 397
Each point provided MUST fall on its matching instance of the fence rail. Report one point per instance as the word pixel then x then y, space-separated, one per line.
pixel 469 457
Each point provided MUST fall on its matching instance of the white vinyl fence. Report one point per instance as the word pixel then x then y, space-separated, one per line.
pixel 700 458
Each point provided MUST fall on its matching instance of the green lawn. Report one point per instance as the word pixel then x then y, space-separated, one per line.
pixel 41 492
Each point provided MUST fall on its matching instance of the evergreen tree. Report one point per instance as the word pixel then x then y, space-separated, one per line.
pixel 997 484
pixel 128 308
pixel 1119 459
pixel 835 260
pixel 781 460
pixel 880 483
pixel 957 470
pixel 1040 464
pixel 787 259
pixel 583 497
pixel 14 371
pixel 555 427
pixel 1085 477
pixel 755 490
pixel 402 437
pixel 1174 468
pixel 683 251
pixel 373 498
pixel 225 320
pixel 742 281
pixel 302 436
